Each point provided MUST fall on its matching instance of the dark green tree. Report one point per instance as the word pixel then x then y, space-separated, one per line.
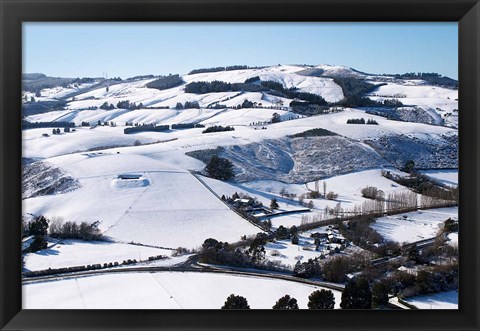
pixel 274 204
pixel 295 239
pixel 276 118
pixel 409 166
pixel 322 299
pixel 38 227
pixel 357 295
pixel 236 302
pixel 37 244
pixel 379 295
pixel 285 303
pixel 281 233
pixel 220 168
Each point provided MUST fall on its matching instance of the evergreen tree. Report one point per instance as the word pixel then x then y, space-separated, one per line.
pixel 322 299
pixel 379 295
pixel 236 302
pixel 274 204
pixel 38 227
pixel 285 303
pixel 409 166
pixel 356 295
pixel 281 233
pixel 276 118
pixel 37 244
pixel 295 239
pixel 220 168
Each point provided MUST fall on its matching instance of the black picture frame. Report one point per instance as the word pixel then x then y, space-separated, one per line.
pixel 14 12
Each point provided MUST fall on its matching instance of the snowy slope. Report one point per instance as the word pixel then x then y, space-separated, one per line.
pixel 441 103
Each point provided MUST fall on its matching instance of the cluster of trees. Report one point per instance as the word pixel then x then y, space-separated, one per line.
pixel 187 105
pixel 276 118
pixel 319 299
pixel 361 121
pixel 140 77
pixel 217 252
pixel 217 69
pixel 314 133
pixel 430 190
pixel 218 128
pixel 360 233
pixel 293 93
pixel 356 295
pixel 187 126
pixel 219 86
pixel 306 109
pixel 354 90
pixel 220 168
pixel 166 82
pixel 107 106
pixel 252 79
pixel 430 77
pixel 126 104
pixel 38 228
pixel 392 103
pixel 71 230
pixel 35 125
pixel 247 203
pixel 371 192
pixel 146 127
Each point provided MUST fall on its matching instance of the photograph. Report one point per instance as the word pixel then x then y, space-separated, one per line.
pixel 240 165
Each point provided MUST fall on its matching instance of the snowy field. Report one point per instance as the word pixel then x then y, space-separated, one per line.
pixel 164 207
pixel 162 290
pixel 69 253
pixel 443 300
pixel 417 226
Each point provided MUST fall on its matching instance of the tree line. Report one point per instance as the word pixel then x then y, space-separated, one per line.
pixel 358 294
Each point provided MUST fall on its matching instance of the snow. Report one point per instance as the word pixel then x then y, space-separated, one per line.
pixel 162 290
pixel 447 177
pixel 69 253
pixel 285 75
pixel 440 102
pixel 453 239
pixel 443 300
pixel 174 209
pixel 417 226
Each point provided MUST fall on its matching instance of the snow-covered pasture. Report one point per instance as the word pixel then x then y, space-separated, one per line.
pixel 166 207
pixel 69 253
pixel 418 225
pixel 162 290
pixel 442 300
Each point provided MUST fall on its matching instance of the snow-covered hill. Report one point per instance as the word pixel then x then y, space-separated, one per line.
pixel 141 188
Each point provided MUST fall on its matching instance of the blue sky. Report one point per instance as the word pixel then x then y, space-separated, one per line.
pixel 130 49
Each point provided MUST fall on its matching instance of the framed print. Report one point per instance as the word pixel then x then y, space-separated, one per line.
pixel 207 165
